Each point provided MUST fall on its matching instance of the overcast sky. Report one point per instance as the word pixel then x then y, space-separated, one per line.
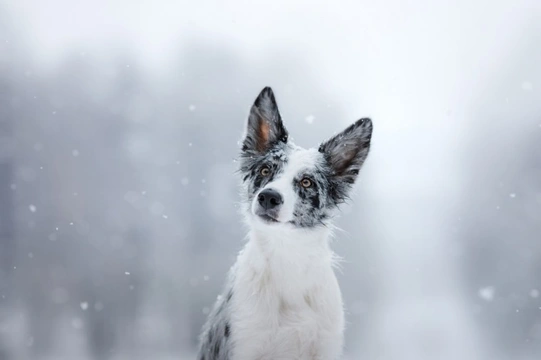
pixel 382 45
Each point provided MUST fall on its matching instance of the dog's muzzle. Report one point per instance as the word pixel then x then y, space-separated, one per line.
pixel 269 202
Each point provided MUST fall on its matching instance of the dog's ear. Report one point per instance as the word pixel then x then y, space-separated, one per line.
pixel 265 127
pixel 346 152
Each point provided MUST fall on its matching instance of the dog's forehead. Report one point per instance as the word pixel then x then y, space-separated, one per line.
pixel 300 159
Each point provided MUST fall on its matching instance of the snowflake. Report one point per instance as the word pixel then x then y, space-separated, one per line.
pixel 487 293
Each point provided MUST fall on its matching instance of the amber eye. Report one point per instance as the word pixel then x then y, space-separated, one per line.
pixel 306 183
pixel 265 171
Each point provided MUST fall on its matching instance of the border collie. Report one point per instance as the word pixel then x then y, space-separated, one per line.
pixel 282 299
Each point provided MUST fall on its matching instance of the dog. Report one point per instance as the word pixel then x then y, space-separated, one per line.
pixel 282 299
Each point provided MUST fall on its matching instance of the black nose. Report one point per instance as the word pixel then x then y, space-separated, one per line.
pixel 269 199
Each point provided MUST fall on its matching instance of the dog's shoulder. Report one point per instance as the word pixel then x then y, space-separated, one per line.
pixel 215 341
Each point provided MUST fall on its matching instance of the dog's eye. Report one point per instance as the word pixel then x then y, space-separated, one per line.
pixel 306 183
pixel 265 171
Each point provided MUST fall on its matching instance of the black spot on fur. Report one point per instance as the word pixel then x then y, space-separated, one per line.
pixel 260 180
pixel 251 164
pixel 315 201
pixel 214 340
pixel 216 350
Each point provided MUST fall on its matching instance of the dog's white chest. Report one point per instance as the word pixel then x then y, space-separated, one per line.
pixel 285 310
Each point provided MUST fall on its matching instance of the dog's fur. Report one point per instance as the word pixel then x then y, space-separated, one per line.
pixel 282 299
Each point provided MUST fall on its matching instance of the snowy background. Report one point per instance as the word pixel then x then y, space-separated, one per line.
pixel 119 123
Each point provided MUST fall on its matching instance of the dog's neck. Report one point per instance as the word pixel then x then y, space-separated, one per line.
pixel 290 243
pixel 297 257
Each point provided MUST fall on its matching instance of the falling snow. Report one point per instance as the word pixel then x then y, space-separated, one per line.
pixel 487 293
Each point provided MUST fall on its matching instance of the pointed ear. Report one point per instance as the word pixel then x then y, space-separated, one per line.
pixel 265 127
pixel 346 152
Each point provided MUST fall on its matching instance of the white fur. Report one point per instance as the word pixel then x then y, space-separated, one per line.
pixel 286 303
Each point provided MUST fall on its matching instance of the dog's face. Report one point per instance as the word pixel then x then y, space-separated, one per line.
pixel 291 186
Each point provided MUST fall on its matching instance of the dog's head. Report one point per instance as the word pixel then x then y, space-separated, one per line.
pixel 287 185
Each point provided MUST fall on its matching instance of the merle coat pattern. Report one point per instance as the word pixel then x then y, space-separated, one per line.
pixel 282 300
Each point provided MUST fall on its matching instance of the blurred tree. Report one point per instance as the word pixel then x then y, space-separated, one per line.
pixel 78 241
pixel 7 221
pixel 502 204
pixel 9 101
